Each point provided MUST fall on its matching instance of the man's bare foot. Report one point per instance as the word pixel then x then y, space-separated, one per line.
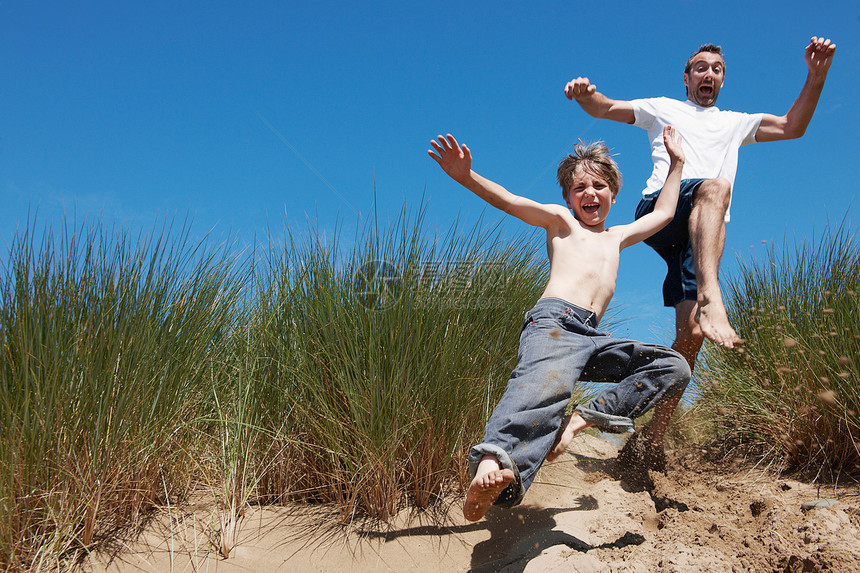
pixel 570 426
pixel 715 324
pixel 483 491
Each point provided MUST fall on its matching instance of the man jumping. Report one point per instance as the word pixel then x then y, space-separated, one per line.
pixel 692 244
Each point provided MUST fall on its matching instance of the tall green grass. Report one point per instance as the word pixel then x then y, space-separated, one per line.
pixel 796 385
pixel 107 344
pixel 143 370
pixel 392 358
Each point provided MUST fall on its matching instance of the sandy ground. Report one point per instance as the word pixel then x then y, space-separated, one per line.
pixel 582 515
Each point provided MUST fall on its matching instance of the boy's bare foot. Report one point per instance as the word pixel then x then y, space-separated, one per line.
pixel 483 491
pixel 562 439
pixel 715 324
pixel 570 426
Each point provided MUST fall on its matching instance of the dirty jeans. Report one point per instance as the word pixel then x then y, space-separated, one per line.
pixel 559 345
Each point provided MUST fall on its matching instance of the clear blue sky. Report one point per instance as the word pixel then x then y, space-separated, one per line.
pixel 243 113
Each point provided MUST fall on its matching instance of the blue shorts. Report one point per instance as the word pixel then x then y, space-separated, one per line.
pixel 672 243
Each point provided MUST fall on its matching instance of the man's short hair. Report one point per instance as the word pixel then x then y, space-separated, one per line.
pixel 705 48
pixel 593 157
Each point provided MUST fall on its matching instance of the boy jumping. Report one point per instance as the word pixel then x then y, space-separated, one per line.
pixel 559 342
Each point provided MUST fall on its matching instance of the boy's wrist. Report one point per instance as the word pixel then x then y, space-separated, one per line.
pixel 466 179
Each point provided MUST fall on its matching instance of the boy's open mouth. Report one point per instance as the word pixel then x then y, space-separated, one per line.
pixel 591 207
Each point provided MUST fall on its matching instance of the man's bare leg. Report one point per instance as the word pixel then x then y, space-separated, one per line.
pixel 708 237
pixel 688 341
pixel 570 426
pixel 490 480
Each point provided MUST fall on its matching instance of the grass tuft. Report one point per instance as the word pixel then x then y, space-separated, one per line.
pixel 794 385
pixel 106 340
pixel 392 357
pixel 152 370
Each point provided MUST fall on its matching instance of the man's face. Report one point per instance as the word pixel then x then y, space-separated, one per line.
pixel 705 78
pixel 589 197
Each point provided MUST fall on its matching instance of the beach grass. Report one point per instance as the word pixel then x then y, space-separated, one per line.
pixel 392 357
pixel 107 342
pixel 147 370
pixel 152 370
pixel 794 388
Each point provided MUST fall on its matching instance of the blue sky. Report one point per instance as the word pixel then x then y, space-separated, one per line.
pixel 243 115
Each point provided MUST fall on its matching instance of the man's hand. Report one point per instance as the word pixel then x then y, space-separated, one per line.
pixel 819 55
pixel 453 158
pixel 673 145
pixel 579 89
pixel 596 104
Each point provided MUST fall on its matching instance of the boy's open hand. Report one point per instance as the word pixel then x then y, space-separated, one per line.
pixel 673 144
pixel 454 158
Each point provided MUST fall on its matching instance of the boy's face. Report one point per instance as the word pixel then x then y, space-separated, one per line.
pixel 706 77
pixel 589 197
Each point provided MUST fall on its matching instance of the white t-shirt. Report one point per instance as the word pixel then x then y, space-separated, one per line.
pixel 710 138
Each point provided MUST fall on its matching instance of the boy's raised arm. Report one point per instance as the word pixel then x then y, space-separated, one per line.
pixel 456 160
pixel 667 202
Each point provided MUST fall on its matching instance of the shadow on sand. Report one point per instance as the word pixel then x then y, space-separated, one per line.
pixel 520 534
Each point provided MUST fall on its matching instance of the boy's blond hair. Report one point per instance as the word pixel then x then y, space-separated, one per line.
pixel 593 157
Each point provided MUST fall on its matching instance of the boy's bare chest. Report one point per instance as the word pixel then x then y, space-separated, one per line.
pixel 592 249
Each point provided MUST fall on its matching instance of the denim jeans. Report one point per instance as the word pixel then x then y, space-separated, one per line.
pixel 559 345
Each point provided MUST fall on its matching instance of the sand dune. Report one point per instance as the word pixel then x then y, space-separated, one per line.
pixel 582 515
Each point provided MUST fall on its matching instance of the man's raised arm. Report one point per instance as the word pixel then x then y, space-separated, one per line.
pixel 818 56
pixel 596 104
